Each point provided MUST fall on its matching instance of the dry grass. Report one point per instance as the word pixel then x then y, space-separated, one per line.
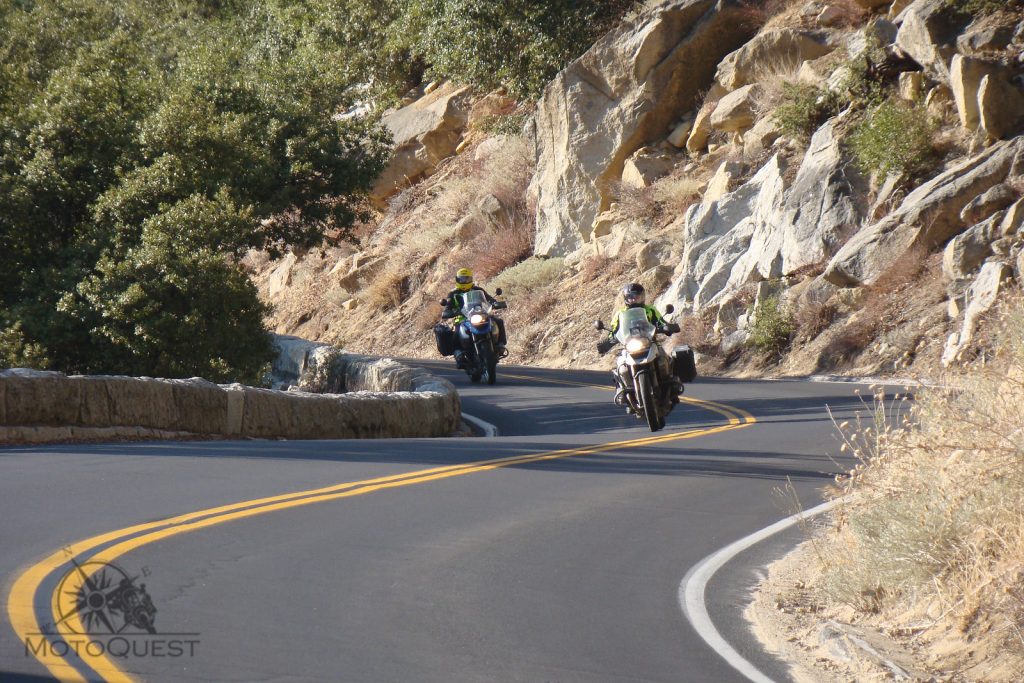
pixel 932 519
pixel 882 309
pixel 663 201
pixel 812 318
pixel 525 277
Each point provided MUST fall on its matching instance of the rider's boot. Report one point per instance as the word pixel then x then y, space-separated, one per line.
pixel 460 359
pixel 621 401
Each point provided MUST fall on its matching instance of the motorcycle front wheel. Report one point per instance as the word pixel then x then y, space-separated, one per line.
pixel 645 392
pixel 490 362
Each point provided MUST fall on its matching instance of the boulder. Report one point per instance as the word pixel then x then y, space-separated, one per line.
pixel 830 15
pixel 1013 219
pixel 927 217
pixel 424 132
pixel 724 180
pixel 603 223
pixel 872 4
pixel 281 278
pixel 911 85
pixel 982 295
pixel 820 212
pixel 768 50
pixel 654 253
pixel 927 32
pixel 760 138
pixel 969 249
pixel 489 206
pixel 987 203
pixel 495 145
pixel 938 101
pixel 965 74
pixel 618 96
pixel 980 39
pixel 897 7
pixel 701 130
pixel 645 166
pixel 1000 107
pixel 681 133
pixel 878 33
pixel 735 112
pixel 815 72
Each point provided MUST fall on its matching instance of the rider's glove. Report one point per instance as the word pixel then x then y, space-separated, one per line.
pixel 604 346
pixel 670 328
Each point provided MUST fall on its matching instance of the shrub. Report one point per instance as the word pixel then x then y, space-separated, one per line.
pixel 531 274
pixel 811 319
pixel 970 9
pixel 772 327
pixel 893 137
pixel 804 108
pixel 127 124
pixel 503 124
pixel 15 352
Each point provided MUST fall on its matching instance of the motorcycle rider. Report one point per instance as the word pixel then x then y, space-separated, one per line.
pixel 456 299
pixel 634 296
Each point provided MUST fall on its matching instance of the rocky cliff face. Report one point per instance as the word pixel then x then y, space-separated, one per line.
pixel 724 158
pixel 620 95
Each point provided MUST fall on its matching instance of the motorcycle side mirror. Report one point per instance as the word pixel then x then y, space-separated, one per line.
pixel 498 291
pixel 599 325
pixel 443 302
pixel 670 309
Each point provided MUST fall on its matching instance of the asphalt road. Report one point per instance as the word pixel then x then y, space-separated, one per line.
pixel 558 567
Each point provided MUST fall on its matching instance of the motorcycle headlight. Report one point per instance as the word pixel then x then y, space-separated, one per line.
pixel 478 319
pixel 637 346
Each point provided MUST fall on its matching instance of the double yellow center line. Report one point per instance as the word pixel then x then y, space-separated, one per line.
pixel 104 548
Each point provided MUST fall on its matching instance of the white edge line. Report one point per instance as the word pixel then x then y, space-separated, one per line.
pixel 694 585
pixel 487 428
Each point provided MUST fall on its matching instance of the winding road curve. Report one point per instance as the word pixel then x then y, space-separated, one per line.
pixel 553 552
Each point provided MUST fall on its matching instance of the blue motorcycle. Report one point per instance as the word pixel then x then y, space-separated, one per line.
pixel 477 336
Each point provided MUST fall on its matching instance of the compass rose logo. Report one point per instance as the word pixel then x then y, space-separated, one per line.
pixel 99 598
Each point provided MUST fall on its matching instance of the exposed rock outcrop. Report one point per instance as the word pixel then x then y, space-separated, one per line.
pixel 928 216
pixel 730 241
pixel 769 50
pixel 927 33
pixel 820 211
pixel 621 94
pixel 425 132
pixel 763 230
pixel 981 297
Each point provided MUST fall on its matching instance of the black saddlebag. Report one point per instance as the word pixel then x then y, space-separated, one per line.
pixel 445 337
pixel 684 366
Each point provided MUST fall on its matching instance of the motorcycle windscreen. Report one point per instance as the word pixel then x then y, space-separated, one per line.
pixel 633 322
pixel 474 298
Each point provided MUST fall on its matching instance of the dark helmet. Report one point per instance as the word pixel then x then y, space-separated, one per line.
pixel 633 294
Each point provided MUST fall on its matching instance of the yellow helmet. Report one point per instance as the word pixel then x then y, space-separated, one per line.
pixel 464 280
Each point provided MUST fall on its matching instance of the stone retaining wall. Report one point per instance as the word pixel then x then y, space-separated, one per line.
pixel 339 396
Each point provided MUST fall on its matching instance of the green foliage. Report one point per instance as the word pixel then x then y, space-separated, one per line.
pixel 772 327
pixel 516 44
pixel 144 146
pixel 173 310
pixel 804 108
pixel 970 9
pixel 893 137
pixel 519 44
pixel 503 124
pixel 15 352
